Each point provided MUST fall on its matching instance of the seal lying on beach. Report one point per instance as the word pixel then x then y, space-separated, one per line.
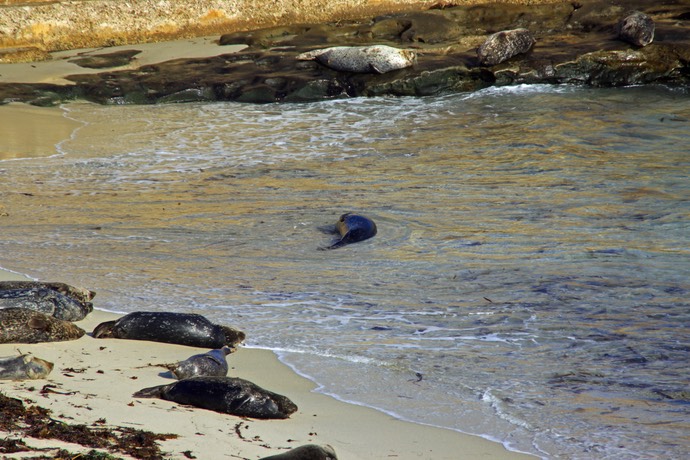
pixel 21 325
pixel 362 59
pixel 306 452
pixel 224 394
pixel 351 228
pixel 46 301
pixel 503 45
pixel 212 363
pixel 77 293
pixel 24 367
pixel 180 328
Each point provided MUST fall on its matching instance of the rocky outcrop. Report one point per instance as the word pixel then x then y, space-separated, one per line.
pixel 575 44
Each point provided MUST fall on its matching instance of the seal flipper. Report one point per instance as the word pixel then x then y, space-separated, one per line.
pixel 329 229
pixel 151 392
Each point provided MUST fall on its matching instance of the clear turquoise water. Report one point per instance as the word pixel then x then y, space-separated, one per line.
pixel 531 262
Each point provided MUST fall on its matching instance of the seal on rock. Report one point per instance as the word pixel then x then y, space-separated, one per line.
pixel 637 28
pixel 306 452
pixel 224 394
pixel 180 328
pixel 362 59
pixel 21 325
pixel 24 367
pixel 212 363
pixel 351 228
pixel 79 294
pixel 46 301
pixel 503 45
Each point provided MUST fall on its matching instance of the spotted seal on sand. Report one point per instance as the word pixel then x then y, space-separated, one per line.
pixel 79 294
pixel 361 59
pixel 351 228
pixel 224 394
pixel 503 45
pixel 637 28
pixel 181 328
pixel 306 452
pixel 21 325
pixel 24 367
pixel 46 301
pixel 212 363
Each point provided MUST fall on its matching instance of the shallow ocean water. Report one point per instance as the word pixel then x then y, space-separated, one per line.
pixel 529 280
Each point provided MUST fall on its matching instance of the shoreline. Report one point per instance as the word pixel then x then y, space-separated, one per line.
pixel 94 379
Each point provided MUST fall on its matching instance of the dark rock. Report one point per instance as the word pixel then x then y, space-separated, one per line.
pixel 637 28
pixel 503 45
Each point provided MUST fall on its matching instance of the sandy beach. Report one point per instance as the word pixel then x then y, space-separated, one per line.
pixel 94 379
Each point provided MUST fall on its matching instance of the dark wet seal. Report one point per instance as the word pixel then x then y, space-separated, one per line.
pixel 352 228
pixel 224 394
pixel 180 328
pixel 79 294
pixel 45 300
pixel 306 452
pixel 212 364
pixel 24 367
pixel 21 325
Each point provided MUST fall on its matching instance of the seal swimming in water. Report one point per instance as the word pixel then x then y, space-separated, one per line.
pixel 212 363
pixel 306 452
pixel 224 394
pixel 351 228
pixel 77 293
pixel 21 325
pixel 24 367
pixel 180 328
pixel 503 45
pixel 46 301
pixel 361 59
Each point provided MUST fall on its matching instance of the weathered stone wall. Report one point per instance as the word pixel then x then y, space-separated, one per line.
pixel 52 25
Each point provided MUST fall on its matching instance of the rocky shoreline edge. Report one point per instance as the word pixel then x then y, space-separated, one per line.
pixel 575 43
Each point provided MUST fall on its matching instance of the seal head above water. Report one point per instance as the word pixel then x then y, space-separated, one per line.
pixel 180 328
pixel 24 367
pixel 212 363
pixel 351 228
pixel 21 325
pixel 224 394
pixel 361 59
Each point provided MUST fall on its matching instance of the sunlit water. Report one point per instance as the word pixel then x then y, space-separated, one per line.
pixel 529 281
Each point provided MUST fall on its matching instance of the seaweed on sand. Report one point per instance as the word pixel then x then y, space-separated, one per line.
pixel 35 421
